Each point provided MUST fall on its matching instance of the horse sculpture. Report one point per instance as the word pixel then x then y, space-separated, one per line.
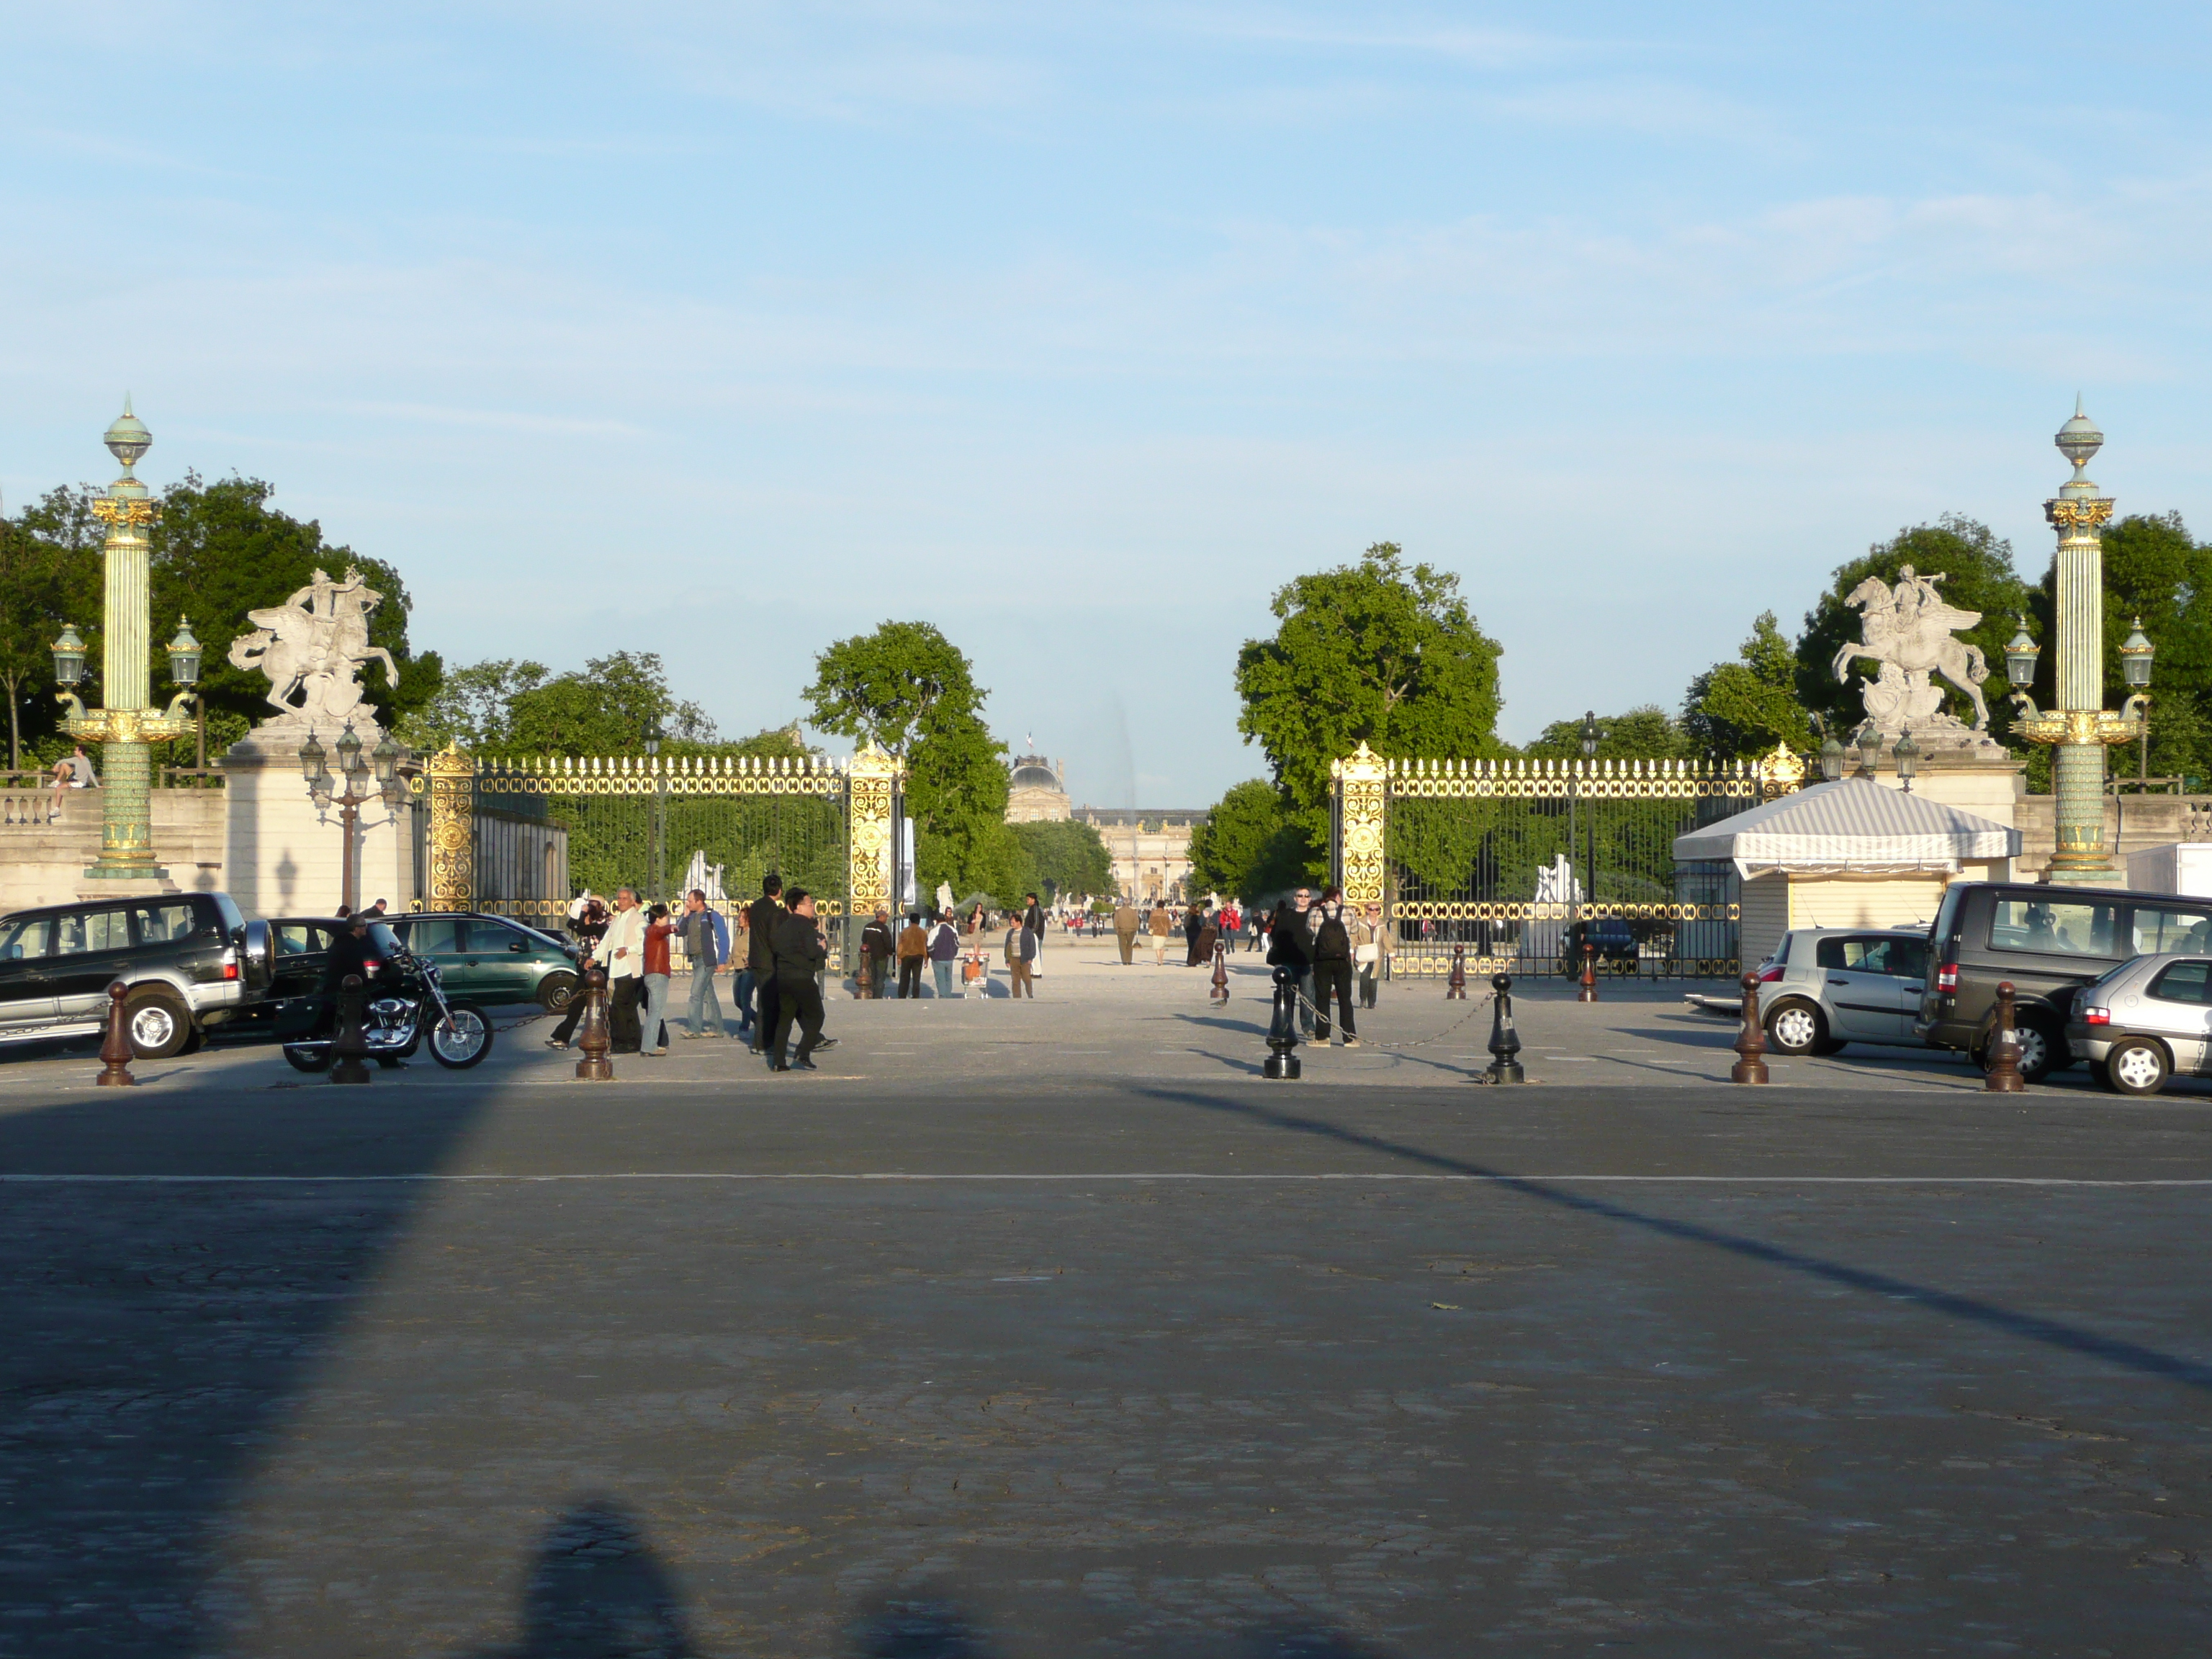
pixel 316 643
pixel 1908 631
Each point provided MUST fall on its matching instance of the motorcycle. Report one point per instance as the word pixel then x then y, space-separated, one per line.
pixel 406 1005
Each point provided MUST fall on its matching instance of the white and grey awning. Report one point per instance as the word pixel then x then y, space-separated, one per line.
pixel 1855 824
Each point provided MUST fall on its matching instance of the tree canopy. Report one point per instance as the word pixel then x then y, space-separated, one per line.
pixel 1069 856
pixel 2154 570
pixel 1249 847
pixel 1741 708
pixel 605 708
pixel 1378 652
pixel 1645 732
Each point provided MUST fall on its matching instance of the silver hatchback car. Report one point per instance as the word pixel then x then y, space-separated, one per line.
pixel 1824 987
pixel 2144 1021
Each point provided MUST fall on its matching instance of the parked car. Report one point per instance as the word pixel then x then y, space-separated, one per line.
pixel 1824 987
pixel 190 961
pixel 490 958
pixel 2049 941
pixel 2144 1021
pixel 1611 940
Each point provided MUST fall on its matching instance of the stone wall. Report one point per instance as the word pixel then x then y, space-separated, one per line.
pixel 2132 822
pixel 43 859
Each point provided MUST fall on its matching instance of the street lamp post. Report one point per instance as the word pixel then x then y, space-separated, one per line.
pixel 659 811
pixel 2080 727
pixel 380 770
pixel 125 725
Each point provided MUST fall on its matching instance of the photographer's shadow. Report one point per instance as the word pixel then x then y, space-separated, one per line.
pixel 597 1591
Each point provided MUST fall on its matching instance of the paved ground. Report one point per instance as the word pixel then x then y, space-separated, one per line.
pixel 1050 1331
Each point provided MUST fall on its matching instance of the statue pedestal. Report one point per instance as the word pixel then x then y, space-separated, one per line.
pixel 283 855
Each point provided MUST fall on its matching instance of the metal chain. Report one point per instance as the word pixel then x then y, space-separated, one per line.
pixel 1474 1008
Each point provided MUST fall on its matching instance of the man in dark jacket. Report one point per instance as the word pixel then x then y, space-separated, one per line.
pixel 1033 919
pixel 1332 968
pixel 876 943
pixel 800 952
pixel 762 916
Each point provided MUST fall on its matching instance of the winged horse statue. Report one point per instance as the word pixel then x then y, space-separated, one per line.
pixel 316 644
pixel 1908 630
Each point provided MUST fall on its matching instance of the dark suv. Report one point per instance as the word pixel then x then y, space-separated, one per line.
pixel 190 961
pixel 2047 940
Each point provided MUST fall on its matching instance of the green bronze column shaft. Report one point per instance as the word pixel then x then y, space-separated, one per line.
pixel 2078 758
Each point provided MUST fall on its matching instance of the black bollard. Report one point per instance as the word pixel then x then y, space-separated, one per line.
pixel 1283 1030
pixel 1505 1041
pixel 350 1047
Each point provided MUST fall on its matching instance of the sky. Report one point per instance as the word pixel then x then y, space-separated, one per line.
pixel 729 331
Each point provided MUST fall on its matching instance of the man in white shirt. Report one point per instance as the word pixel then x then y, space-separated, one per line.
pixel 623 954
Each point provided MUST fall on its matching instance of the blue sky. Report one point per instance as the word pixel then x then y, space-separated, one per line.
pixel 728 330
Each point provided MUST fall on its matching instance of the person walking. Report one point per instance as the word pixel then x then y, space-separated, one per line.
pixel 944 951
pixel 1305 921
pixel 763 914
pixel 1033 918
pixel 1159 926
pixel 913 952
pixel 876 946
pixel 1021 957
pixel 1371 953
pixel 743 979
pixel 1196 929
pixel 1289 946
pixel 623 950
pixel 799 953
pixel 1127 921
pixel 1332 968
pixel 707 944
pixel 653 1000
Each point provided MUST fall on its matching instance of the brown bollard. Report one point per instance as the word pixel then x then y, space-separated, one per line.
pixel 115 1051
pixel 2005 1078
pixel 593 1038
pixel 1220 991
pixel 1455 987
pixel 1587 990
pixel 1751 1039
pixel 349 1046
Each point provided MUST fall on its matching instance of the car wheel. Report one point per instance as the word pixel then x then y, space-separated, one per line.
pixel 156 1023
pixel 2137 1066
pixel 554 992
pixel 1796 1028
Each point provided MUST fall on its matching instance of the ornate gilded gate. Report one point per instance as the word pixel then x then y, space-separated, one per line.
pixel 820 823
pixel 1506 858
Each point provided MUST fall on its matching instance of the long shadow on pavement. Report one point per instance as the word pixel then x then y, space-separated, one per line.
pixel 157 1334
pixel 2149 1362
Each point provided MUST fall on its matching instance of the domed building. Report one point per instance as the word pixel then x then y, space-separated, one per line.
pixel 1037 791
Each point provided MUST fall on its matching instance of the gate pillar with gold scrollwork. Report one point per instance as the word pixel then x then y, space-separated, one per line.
pixel 1360 783
pixel 450 776
pixel 871 781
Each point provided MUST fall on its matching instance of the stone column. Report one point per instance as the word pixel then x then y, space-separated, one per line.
pixel 2078 759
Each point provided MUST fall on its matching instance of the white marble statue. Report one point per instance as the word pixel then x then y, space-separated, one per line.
pixel 316 644
pixel 705 878
pixel 1908 632
pixel 1556 884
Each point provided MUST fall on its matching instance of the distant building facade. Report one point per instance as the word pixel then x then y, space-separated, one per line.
pixel 1037 791
pixel 1150 847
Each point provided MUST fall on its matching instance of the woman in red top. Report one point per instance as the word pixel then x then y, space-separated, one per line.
pixel 652 1004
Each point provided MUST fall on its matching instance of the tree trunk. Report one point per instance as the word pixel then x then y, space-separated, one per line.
pixel 14 683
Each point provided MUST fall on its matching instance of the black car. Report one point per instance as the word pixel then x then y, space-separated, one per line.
pixel 190 962
pixel 1611 940
pixel 2048 941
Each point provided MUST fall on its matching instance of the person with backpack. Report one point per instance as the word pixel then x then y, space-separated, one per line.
pixel 706 947
pixel 944 950
pixel 1331 967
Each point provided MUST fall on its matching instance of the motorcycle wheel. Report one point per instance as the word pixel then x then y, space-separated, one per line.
pixel 303 1059
pixel 463 1043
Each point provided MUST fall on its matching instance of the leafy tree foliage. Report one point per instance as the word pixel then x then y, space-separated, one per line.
pixel 606 707
pixel 2154 570
pixel 1645 732
pixel 1976 564
pixel 1740 709
pixel 218 551
pixel 1379 652
pixel 1068 856
pixel 1250 847
pixel 41 586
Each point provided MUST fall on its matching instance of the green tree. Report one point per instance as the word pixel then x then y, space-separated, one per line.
pixel 1249 847
pixel 2154 570
pixel 1378 652
pixel 1977 568
pixel 605 708
pixel 471 707
pixel 1646 731
pixel 908 689
pixel 1068 856
pixel 41 586
pixel 1740 709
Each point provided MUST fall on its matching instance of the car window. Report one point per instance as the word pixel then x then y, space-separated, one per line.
pixel 28 938
pixel 161 924
pixel 91 930
pixel 2184 981
pixel 299 938
pixel 2056 927
pixel 435 936
pixel 1875 953
pixel 2163 933
pixel 487 935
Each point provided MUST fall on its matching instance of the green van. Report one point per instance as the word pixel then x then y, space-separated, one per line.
pixel 489 958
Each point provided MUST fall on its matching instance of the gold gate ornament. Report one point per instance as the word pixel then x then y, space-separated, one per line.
pixel 451 776
pixel 1362 781
pixel 873 778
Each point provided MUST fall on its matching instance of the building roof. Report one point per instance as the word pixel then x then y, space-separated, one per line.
pixel 1854 824
pixel 1034 774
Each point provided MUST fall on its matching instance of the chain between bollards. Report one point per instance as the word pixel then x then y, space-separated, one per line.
pixel 115 1052
pixel 1750 1038
pixel 1505 1041
pixel 349 1046
pixel 2005 1078
pixel 593 1039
